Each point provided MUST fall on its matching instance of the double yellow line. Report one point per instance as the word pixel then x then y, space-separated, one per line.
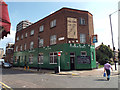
pixel 5 86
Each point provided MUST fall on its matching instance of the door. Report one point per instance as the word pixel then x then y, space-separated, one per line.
pixel 72 61
pixel 19 61
pixel 25 61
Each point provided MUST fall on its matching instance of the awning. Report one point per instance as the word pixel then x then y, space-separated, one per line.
pixel 4 19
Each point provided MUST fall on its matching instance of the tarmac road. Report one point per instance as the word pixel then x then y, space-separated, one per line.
pixel 23 79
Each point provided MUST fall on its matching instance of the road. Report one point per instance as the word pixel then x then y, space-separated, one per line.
pixel 23 79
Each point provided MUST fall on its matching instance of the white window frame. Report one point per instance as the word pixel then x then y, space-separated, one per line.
pixel 25 34
pixel 40 58
pixel 82 38
pixel 82 21
pixel 53 23
pixel 16 48
pixel 21 48
pixel 41 29
pixel 32 32
pixel 31 45
pixel 22 36
pixel 17 38
pixel 41 42
pixel 31 59
pixel 53 56
pixel 53 39
pixel 84 52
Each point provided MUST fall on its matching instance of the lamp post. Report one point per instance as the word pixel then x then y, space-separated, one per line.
pixel 112 38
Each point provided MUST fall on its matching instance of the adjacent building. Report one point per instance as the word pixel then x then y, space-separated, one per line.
pixel 67 31
pixel 22 25
pixel 1 53
pixel 9 52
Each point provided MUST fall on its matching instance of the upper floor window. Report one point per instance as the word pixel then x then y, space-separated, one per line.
pixel 53 23
pixel 82 38
pixel 21 48
pixel 41 41
pixel 31 45
pixel 17 38
pixel 32 32
pixel 82 21
pixel 24 46
pixel 16 48
pixel 53 40
pixel 25 34
pixel 41 28
pixel 21 36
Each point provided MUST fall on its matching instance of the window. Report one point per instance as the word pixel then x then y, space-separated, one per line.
pixel 82 21
pixel 16 48
pixel 53 23
pixel 53 40
pixel 17 38
pixel 82 38
pixel 32 32
pixel 24 46
pixel 16 59
pixel 53 58
pixel 30 59
pixel 40 58
pixel 31 45
pixel 41 41
pixel 21 48
pixel 25 34
pixel 41 28
pixel 21 36
pixel 83 53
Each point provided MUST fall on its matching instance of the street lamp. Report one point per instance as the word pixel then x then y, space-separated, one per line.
pixel 112 38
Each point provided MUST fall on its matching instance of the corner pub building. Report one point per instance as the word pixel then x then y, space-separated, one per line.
pixel 66 30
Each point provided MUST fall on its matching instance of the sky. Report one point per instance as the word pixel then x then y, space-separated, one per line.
pixel 38 9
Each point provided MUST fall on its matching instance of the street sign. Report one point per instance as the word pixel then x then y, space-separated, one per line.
pixel 94 39
pixel 59 54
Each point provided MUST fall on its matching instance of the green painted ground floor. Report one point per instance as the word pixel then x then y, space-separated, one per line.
pixel 73 56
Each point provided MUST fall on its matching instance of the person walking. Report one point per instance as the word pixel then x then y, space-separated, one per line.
pixel 107 68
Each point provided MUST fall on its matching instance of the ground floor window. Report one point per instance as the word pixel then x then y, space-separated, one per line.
pixel 53 58
pixel 30 58
pixel 40 58
pixel 16 58
pixel 92 55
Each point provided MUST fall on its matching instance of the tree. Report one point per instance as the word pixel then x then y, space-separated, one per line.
pixel 103 54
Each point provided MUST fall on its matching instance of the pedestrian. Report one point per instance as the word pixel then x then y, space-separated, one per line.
pixel 107 68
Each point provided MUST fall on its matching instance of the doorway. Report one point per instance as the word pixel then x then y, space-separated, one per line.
pixel 72 61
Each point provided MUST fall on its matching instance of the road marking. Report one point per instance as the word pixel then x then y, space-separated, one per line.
pixel 5 86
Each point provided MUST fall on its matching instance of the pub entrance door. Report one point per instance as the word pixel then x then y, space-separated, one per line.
pixel 72 61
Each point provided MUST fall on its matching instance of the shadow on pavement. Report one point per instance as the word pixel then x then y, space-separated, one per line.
pixel 100 80
pixel 6 71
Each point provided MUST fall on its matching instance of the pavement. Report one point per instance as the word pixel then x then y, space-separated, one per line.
pixel 83 73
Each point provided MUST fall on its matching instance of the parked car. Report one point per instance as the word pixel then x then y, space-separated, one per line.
pixel 6 65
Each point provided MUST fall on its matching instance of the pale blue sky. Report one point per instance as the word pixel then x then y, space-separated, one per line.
pixel 34 11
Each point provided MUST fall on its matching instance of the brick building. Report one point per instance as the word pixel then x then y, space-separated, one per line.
pixel 67 30
pixel 9 52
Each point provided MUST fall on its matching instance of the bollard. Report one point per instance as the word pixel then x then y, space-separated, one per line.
pixel 24 67
pixel 27 67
